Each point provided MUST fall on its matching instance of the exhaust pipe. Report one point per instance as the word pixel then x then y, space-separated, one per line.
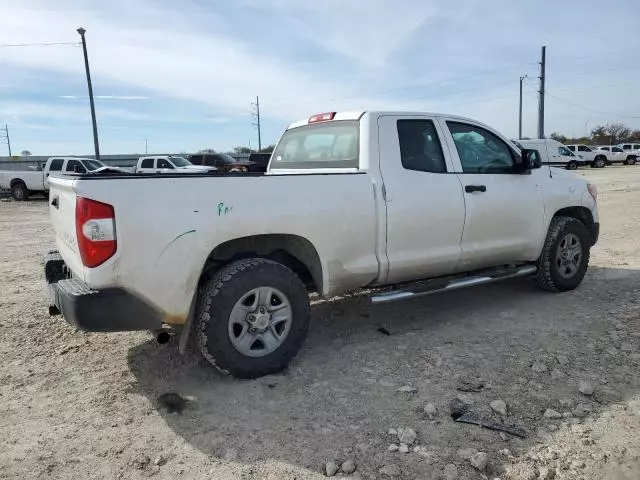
pixel 162 336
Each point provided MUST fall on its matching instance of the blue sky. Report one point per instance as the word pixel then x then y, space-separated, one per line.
pixel 183 74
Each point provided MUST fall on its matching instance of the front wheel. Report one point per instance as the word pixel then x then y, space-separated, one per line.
pixel 252 318
pixel 599 162
pixel 572 165
pixel 565 255
pixel 631 161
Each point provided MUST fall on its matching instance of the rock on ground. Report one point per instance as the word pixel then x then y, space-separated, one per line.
pixel 585 388
pixel 538 367
pixel 553 414
pixel 479 461
pixel 390 471
pixel 499 406
pixel 348 467
pixel 407 435
pixel 331 468
pixel 430 410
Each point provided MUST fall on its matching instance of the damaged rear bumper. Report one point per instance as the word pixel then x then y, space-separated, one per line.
pixel 103 310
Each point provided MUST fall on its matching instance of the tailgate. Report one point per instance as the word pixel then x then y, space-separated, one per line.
pixel 62 208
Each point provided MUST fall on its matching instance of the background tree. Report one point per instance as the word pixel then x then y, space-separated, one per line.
pixel 25 153
pixel 242 150
pixel 268 149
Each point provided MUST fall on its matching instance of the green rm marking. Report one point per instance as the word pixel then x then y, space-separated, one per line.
pixel 223 209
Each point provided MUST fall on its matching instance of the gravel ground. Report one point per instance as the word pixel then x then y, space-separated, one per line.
pixel 79 405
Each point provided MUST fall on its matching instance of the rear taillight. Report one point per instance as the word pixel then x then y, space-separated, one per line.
pixel 96 231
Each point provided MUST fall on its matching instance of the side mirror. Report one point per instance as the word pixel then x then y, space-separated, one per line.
pixel 529 161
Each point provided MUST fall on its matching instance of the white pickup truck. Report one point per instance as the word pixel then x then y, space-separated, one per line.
pixel 28 182
pixel 616 154
pixel 405 204
pixel 169 164
pixel 597 158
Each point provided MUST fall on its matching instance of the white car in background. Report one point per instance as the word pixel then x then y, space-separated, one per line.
pixel 631 148
pixel 618 155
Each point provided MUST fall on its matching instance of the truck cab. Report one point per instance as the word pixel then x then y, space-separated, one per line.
pixel 169 164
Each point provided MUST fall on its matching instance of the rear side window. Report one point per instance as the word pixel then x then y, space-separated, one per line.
pixel 73 164
pixel 616 149
pixel 572 148
pixel 420 147
pixel 56 165
pixel 147 163
pixel 564 151
pixel 582 148
pixel 322 145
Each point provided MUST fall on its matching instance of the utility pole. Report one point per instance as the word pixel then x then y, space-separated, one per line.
pixel 541 92
pixel 6 135
pixel 96 145
pixel 520 109
pixel 256 115
pixel 145 147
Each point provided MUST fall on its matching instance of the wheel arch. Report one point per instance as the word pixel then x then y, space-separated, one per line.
pixel 16 181
pixel 584 215
pixel 293 251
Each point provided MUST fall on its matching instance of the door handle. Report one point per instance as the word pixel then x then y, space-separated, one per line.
pixel 54 202
pixel 475 188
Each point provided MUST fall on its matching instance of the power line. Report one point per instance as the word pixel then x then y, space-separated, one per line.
pixel 600 112
pixel 7 45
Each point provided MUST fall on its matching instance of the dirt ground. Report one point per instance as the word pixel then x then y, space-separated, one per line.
pixel 77 405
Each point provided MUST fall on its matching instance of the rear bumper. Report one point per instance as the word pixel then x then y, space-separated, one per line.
pixel 105 310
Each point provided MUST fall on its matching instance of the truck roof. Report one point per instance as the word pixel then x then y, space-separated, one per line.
pixel 357 115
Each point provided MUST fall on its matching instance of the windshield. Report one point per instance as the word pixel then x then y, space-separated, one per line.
pixel 321 145
pixel 180 161
pixel 226 159
pixel 93 164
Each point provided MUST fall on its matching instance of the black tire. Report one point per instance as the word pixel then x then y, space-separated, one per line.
pixel 217 299
pixel 20 192
pixel 572 165
pixel 630 161
pixel 599 162
pixel 549 277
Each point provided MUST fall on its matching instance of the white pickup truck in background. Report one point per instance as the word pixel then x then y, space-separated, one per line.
pixel 406 204
pixel 25 183
pixel 597 158
pixel 169 164
pixel 616 154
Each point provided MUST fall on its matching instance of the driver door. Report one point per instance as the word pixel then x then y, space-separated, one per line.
pixel 504 211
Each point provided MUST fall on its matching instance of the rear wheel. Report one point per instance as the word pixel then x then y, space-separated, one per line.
pixel 20 192
pixel 565 255
pixel 631 161
pixel 599 162
pixel 572 165
pixel 252 318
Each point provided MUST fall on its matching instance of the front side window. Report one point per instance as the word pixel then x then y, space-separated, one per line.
pixel 56 165
pixel 420 147
pixel 481 151
pixel 616 149
pixel 571 147
pixel 626 147
pixel 565 152
pixel 321 145
pixel 162 163
pixel 93 164
pixel 604 148
pixel 583 148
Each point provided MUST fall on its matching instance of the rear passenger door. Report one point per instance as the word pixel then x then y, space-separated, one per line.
pixel 423 198
pixel 504 214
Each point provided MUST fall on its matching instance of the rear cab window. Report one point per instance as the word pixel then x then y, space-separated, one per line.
pixel 332 144
pixel 147 163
